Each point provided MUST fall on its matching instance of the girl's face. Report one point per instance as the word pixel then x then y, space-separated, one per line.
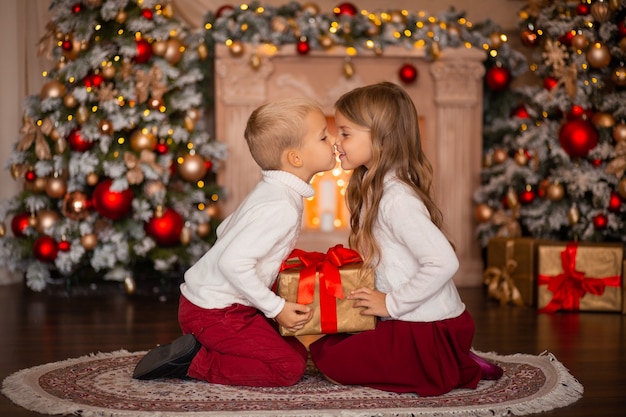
pixel 354 143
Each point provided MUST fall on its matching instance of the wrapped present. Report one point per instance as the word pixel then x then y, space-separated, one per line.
pixel 510 272
pixel 321 280
pixel 580 277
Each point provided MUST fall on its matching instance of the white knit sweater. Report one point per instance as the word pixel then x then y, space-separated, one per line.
pixel 417 261
pixel 251 244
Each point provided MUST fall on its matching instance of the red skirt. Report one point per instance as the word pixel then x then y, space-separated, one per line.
pixel 427 358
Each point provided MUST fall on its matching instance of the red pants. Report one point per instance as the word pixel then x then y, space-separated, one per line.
pixel 427 358
pixel 240 347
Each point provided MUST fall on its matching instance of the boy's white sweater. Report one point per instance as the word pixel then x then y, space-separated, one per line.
pixel 251 244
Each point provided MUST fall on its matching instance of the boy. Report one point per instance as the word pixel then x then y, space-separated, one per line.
pixel 226 299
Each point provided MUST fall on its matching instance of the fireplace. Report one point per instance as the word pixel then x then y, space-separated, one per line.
pixel 448 98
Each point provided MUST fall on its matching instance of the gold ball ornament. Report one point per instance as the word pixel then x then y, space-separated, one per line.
pixel 54 135
pixel 46 219
pixel 555 192
pixel 398 17
pixel 203 229
pixel 156 103
pixel 3 230
pixel 255 61
pixel 580 41
pixel 121 17
pixel 622 44
pixel 174 51
pixel 159 47
pixel 82 114
pixel 39 185
pixel 499 156
pixel 56 187
pixel 213 210
pixel 52 89
pixel 600 10
pixel 75 205
pixel 598 55
pixel 619 76
pixel 603 120
pixel 483 213
pixel 310 8
pixel 92 179
pixel 89 241
pixel 326 41
pixel 129 285
pixel 619 132
pixel 573 215
pixel 70 101
pixel 203 51
pixel 108 71
pixel 348 69
pixel 152 188
pixel 621 188
pixel 279 24
pixel 520 158
pixel 142 139
pixel 192 167
pixel 236 48
pixel 185 235
pixel 106 126
pixel 495 41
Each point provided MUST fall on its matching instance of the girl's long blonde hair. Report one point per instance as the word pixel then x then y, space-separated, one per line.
pixel 390 115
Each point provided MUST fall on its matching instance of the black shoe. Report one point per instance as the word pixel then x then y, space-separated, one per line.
pixel 168 361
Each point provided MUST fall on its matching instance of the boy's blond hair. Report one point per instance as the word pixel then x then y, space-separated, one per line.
pixel 276 126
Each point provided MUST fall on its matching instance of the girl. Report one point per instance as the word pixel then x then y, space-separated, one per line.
pixel 422 343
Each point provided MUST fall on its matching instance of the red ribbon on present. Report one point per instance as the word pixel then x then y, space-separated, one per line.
pixel 571 285
pixel 330 279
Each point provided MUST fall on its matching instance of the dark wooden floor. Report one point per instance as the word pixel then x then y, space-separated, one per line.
pixel 38 329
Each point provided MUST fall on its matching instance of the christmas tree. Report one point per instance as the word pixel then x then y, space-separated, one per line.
pixel 117 166
pixel 556 153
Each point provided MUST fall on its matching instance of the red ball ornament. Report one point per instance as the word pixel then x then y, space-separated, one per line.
pixel 208 164
pixel 147 14
pixel 549 83
pixel 165 229
pixel 345 9
pixel 498 78
pixel 578 137
pixel 578 112
pixel 222 10
pixel 30 176
pixel 407 73
pixel 303 47
pixel 77 142
pixel 527 196
pixel 19 223
pixel 621 28
pixel 520 112
pixel 45 249
pixel 67 45
pixel 161 148
pixel 76 8
pixel 64 246
pixel 112 204
pixel 144 51
pixel 615 202
pixel 600 221
pixel 566 39
pixel 582 9
pixel 93 80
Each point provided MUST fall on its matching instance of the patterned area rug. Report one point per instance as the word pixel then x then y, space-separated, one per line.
pixel 101 385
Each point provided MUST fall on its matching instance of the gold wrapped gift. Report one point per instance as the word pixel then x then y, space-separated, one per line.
pixel 510 272
pixel 580 277
pixel 321 281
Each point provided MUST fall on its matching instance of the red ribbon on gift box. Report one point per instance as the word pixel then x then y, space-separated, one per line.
pixel 571 285
pixel 330 287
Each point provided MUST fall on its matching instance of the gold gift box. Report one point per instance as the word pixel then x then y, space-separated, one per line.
pixel 599 264
pixel 510 272
pixel 349 319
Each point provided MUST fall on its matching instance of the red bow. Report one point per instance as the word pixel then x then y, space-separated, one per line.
pixel 571 285
pixel 330 287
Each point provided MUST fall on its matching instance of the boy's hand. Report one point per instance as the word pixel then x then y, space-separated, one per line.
pixel 294 316
pixel 372 302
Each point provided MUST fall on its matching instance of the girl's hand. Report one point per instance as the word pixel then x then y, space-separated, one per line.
pixel 294 316
pixel 371 301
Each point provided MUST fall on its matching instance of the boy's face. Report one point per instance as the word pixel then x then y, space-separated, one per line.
pixel 318 147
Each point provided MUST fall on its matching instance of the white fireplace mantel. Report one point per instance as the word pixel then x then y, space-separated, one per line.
pixel 447 94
